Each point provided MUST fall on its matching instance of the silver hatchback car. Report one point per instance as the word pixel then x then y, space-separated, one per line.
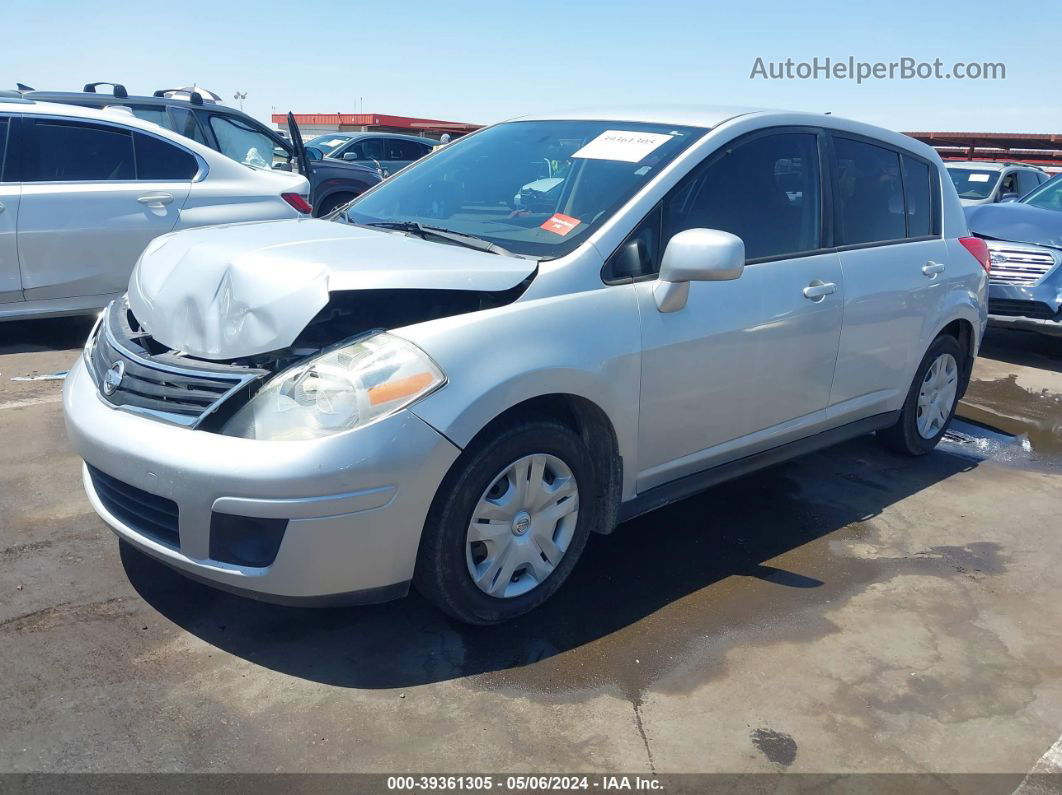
pixel 446 387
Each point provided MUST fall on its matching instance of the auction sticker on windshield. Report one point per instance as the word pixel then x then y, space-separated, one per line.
pixel 622 145
pixel 560 224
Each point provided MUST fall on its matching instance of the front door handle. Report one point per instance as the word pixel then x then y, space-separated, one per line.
pixel 931 269
pixel 817 290
pixel 155 199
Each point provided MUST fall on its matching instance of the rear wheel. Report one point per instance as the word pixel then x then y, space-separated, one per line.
pixel 507 525
pixel 931 400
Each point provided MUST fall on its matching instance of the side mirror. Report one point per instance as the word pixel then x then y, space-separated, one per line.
pixel 696 255
pixel 1007 197
pixel 282 166
pixel 314 153
pixel 348 156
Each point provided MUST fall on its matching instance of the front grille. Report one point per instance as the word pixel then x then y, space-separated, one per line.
pixel 146 513
pixel 1020 263
pixel 158 383
pixel 1011 308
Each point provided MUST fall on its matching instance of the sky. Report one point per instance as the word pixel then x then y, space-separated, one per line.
pixel 481 62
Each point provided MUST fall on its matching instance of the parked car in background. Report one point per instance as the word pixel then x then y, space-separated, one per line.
pixel 988 182
pixel 438 388
pixel 390 151
pixel 84 191
pixel 229 131
pixel 1025 241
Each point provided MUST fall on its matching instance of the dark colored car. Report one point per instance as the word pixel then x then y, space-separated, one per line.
pixel 336 175
pixel 229 131
pixel 1025 242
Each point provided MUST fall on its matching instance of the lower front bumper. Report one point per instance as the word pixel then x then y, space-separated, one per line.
pixel 353 505
pixel 1052 328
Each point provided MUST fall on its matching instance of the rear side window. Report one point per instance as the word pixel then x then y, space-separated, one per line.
pixel 159 160
pixel 59 151
pixel 3 145
pixel 918 191
pixel 243 143
pixel 404 150
pixel 765 191
pixel 869 195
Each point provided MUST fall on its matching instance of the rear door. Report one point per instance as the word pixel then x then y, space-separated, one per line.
pixel 10 193
pixel 887 226
pixel 399 153
pixel 85 216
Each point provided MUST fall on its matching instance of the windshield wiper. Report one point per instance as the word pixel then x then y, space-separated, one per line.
pixel 462 239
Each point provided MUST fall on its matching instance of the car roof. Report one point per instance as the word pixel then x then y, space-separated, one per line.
pixel 711 116
pixel 113 115
pixel 684 115
pixel 110 99
pixel 400 136
pixel 988 165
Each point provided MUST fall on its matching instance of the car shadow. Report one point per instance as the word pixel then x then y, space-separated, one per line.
pixel 647 564
pixel 1024 348
pixel 47 334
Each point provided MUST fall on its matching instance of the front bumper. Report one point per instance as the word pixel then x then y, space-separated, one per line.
pixel 1028 308
pixel 354 503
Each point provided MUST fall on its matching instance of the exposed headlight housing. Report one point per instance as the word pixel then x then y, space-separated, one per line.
pixel 342 388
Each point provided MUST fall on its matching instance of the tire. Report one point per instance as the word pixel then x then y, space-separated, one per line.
pixel 331 202
pixel 906 436
pixel 481 486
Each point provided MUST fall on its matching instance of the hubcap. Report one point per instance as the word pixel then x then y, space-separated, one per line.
pixel 936 396
pixel 522 526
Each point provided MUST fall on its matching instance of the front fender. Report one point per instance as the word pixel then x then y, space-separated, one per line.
pixel 585 344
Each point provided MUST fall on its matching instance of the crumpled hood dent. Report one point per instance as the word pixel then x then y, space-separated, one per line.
pixel 244 289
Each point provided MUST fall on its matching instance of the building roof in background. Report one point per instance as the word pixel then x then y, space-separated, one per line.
pixel 375 120
pixel 1044 149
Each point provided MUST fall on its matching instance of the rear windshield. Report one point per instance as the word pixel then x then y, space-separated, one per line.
pixel 536 188
pixel 972 184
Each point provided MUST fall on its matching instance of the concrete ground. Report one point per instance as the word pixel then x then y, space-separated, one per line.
pixel 849 611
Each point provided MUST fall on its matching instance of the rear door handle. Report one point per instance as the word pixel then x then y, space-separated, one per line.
pixel 817 290
pixel 2 207
pixel 931 269
pixel 155 199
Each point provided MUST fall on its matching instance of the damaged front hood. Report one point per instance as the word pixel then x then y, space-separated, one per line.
pixel 230 291
pixel 1017 223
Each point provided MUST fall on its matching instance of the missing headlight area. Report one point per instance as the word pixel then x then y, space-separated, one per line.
pixel 228 385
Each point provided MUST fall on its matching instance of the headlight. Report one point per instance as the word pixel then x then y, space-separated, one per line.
pixel 340 389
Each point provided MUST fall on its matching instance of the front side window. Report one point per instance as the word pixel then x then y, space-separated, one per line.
pixel 61 151
pixel 971 184
pixel 159 160
pixel 765 191
pixel 242 142
pixel 1027 182
pixel 1048 196
pixel 869 195
pixel 536 188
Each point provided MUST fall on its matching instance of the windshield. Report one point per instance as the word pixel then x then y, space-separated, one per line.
pixel 328 143
pixel 972 184
pixel 1048 196
pixel 535 188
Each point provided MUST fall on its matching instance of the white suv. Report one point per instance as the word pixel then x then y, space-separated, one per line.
pixel 83 191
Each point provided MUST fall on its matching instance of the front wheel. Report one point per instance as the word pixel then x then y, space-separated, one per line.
pixel 508 523
pixel 931 400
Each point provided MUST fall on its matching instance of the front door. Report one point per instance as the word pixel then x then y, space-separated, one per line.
pixel 85 217
pixel 746 364
pixel 10 192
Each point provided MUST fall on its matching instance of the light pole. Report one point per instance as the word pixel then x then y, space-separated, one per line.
pixel 240 96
